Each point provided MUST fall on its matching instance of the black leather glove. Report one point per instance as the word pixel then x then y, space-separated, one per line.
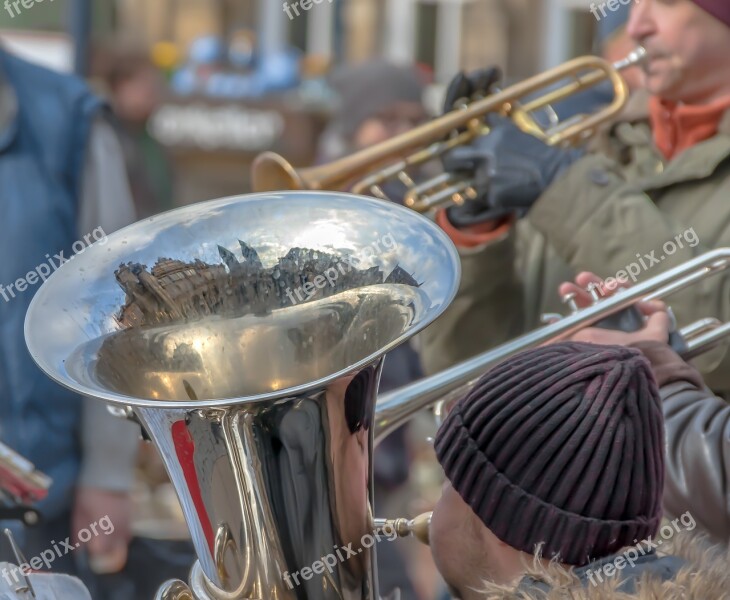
pixel 631 319
pixel 468 85
pixel 510 169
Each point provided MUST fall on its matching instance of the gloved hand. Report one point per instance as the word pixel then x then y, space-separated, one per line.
pixel 510 169
pixel 467 85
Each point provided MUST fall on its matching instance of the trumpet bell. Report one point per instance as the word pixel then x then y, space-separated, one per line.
pixel 247 336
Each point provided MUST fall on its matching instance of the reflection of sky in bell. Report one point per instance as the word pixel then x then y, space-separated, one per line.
pixel 77 302
pixel 343 230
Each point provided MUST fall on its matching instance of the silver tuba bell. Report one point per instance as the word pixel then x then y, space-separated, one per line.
pixel 246 335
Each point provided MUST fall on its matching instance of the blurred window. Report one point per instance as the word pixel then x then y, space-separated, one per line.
pixel 52 15
pixel 426 33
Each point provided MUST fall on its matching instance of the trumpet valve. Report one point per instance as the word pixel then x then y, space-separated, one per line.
pixel 569 300
pixel 550 318
pixel 594 293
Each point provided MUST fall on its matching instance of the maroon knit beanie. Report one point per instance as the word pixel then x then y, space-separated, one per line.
pixel 561 445
pixel 717 8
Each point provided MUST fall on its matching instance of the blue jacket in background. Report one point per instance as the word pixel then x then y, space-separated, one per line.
pixel 45 123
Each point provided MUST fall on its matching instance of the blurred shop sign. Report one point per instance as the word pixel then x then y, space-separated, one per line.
pixel 51 50
pixel 211 127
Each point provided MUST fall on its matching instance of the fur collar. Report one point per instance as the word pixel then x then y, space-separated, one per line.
pixel 704 576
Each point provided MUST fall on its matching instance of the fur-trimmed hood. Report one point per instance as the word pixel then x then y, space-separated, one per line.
pixel 701 572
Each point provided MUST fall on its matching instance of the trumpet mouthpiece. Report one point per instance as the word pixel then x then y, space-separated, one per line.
pixel 417 527
pixel 636 57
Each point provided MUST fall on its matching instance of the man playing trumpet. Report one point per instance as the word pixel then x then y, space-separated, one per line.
pixel 654 197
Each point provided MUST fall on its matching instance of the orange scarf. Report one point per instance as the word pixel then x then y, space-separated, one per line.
pixel 678 127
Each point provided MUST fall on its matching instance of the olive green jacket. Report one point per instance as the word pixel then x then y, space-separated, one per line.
pixel 609 212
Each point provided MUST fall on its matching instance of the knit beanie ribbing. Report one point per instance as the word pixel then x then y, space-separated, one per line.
pixel 719 9
pixel 561 445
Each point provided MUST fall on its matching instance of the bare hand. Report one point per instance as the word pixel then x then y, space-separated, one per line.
pixel 101 524
pixel 658 322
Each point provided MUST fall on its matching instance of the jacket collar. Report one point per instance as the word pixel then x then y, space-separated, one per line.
pixel 637 109
pixel 725 123
pixel 8 106
pixel 663 568
pixel 698 162
pixel 686 566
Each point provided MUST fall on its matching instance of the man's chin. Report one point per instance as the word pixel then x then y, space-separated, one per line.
pixel 666 83
pixel 658 86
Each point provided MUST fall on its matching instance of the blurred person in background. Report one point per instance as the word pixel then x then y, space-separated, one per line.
pixel 63 178
pixel 658 177
pixel 378 100
pixel 136 88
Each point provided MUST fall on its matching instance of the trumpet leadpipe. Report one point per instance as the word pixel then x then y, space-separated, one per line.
pixel 417 527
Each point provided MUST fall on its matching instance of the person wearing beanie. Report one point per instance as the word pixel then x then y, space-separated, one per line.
pixel 376 100
pixel 647 193
pixel 555 468
pixel 697 421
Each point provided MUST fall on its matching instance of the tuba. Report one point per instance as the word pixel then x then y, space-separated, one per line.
pixel 246 336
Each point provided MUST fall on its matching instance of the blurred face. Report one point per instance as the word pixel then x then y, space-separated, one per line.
pixel 687 49
pixel 137 97
pixel 397 119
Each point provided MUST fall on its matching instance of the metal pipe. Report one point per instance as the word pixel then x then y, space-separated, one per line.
pixel 395 407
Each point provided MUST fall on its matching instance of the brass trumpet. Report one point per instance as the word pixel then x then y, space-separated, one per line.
pixel 364 172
